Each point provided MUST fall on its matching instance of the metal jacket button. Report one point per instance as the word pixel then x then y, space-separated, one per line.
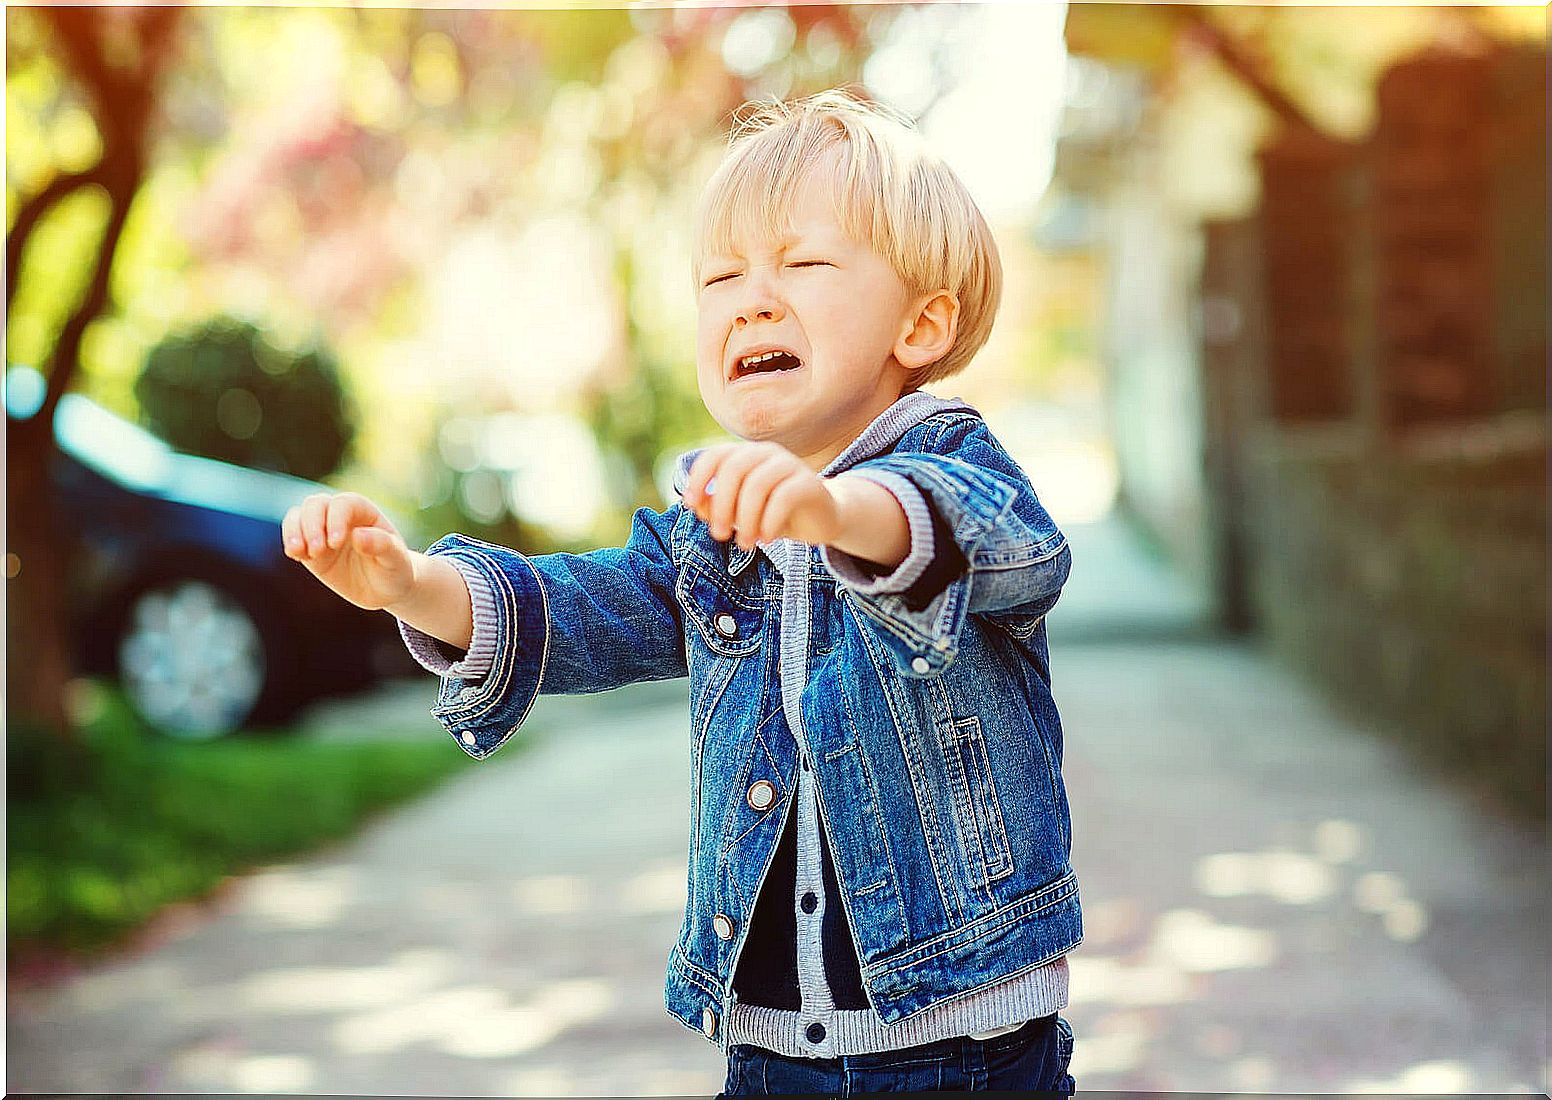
pixel 708 1022
pixel 920 664
pixel 762 794
pixel 726 625
pixel 723 926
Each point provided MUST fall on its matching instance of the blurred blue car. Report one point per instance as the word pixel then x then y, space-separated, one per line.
pixel 181 590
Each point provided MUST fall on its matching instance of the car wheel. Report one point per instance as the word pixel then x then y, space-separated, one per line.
pixel 193 658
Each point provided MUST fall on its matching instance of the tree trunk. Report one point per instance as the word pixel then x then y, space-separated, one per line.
pixel 38 665
pixel 41 544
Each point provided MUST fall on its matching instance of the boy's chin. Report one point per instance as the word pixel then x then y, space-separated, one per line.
pixel 760 422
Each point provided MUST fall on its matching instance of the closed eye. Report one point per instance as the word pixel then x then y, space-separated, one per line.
pixel 720 278
pixel 811 263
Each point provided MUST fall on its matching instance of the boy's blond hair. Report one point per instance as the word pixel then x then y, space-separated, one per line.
pixel 896 196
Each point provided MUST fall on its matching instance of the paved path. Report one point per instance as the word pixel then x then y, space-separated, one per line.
pixel 1275 900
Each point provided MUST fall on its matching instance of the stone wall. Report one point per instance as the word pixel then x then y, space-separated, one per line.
pixel 1413 583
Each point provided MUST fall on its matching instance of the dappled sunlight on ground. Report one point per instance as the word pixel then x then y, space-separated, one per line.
pixel 554 895
pixel 1109 981
pixel 1194 942
pixel 474 1021
pixel 660 888
pixel 1117 1042
pixel 1281 875
pixel 315 989
pixel 1384 894
pixel 272 1073
pixel 1442 1076
pixel 223 1065
pixel 302 897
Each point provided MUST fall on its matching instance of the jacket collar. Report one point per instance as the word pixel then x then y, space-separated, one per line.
pixel 878 437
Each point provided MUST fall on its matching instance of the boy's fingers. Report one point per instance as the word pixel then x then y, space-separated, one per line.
pixel 371 540
pixel 752 497
pixel 730 486
pixel 313 512
pixel 778 509
pixel 718 511
pixel 288 537
pixel 702 470
pixel 344 511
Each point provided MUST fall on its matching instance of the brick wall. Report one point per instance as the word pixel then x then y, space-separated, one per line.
pixel 1374 410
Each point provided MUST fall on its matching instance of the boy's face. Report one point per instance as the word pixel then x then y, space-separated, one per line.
pixel 834 304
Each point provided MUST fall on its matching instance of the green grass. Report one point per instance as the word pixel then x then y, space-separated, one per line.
pixel 102 839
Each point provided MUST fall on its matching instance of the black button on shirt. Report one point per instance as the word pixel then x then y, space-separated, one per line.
pixel 816 1033
pixel 810 903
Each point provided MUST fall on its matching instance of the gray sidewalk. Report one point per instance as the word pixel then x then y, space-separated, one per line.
pixel 1275 900
pixel 1275 897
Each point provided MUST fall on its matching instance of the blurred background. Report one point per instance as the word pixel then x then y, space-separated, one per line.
pixel 1272 351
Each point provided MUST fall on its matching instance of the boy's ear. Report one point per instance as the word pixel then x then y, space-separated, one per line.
pixel 928 335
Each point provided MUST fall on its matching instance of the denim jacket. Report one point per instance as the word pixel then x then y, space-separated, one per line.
pixel 927 724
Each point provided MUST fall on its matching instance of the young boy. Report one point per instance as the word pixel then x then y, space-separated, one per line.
pixel 879 893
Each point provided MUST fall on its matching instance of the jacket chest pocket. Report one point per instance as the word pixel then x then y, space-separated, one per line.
pixel 730 622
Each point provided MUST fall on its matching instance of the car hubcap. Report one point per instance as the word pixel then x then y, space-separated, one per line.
pixel 191 660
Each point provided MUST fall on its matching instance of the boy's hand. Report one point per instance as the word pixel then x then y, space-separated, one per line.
pixel 348 544
pixel 763 491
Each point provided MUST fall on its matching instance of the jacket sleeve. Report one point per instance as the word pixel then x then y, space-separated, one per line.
pixel 998 552
pixel 555 623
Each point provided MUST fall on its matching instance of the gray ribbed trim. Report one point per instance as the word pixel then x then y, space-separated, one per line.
pixel 442 658
pixel 867 582
pixel 888 426
pixel 813 984
pixel 1036 993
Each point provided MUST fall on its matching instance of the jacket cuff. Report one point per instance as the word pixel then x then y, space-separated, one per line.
pixel 862 576
pixel 435 655
pixel 483 713
pixel 970 508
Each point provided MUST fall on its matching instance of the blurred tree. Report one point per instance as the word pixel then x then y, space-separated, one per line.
pixel 1301 64
pixel 113 60
pixel 223 390
pixel 442 127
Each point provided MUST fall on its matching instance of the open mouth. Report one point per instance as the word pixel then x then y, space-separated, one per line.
pixel 765 362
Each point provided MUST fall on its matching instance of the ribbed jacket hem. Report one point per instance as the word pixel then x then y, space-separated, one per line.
pixel 1029 996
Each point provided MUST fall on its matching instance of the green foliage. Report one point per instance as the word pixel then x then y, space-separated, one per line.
pixel 653 413
pixel 575 44
pixel 98 842
pixel 56 266
pixel 224 391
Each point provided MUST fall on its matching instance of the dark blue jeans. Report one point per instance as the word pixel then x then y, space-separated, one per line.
pixel 1033 1058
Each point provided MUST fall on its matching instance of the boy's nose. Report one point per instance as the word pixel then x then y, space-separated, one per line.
pixel 768 312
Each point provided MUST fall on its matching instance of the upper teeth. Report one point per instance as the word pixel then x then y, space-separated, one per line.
pixel 753 359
